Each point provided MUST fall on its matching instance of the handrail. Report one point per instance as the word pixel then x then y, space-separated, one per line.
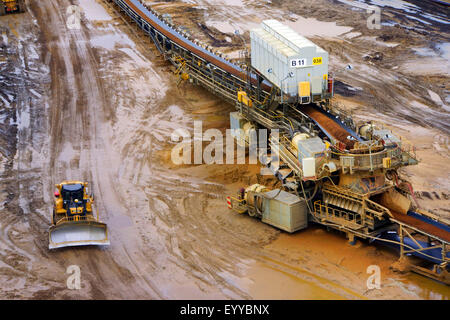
pixel 237 200
pixel 75 218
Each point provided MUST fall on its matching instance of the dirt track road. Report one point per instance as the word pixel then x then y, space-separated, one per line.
pixel 162 245
pixel 142 261
pixel 76 149
pixel 95 104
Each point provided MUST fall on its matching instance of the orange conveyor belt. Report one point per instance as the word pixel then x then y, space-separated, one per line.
pixel 421 225
pixel 333 128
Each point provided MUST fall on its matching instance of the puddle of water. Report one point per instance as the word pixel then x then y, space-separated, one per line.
pixel 94 11
pixel 426 288
pixel 229 26
pixel 444 49
pixel 400 5
pixel 396 4
pixel 136 57
pixel 309 27
pixel 24 118
pixel 110 40
pixel 272 279
pixel 269 282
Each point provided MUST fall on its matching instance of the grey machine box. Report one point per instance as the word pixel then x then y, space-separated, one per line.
pixel 284 211
pixel 278 48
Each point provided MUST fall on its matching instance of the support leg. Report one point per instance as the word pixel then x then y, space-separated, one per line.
pixel 351 238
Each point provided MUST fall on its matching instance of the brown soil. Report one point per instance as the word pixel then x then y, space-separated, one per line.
pixel 79 107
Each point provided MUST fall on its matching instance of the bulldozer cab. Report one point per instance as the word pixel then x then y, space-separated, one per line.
pixel 73 199
pixel 71 192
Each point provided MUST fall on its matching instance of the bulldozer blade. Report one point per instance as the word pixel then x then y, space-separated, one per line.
pixel 80 233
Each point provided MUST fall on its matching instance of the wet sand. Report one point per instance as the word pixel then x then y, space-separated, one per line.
pixel 99 105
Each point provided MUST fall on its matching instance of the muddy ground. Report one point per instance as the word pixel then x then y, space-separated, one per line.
pixel 99 104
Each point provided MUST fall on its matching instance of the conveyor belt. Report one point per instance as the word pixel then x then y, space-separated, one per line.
pixel 432 254
pixel 151 24
pixel 329 126
pixel 422 225
pixel 143 13
pixel 439 224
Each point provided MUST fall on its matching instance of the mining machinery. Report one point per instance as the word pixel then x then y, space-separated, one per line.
pixel 11 6
pixel 332 171
pixel 73 220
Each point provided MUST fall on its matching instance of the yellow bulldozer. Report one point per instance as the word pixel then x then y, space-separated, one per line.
pixel 73 221
pixel 11 6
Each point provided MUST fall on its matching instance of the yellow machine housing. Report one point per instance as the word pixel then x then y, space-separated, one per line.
pixel 11 6
pixel 78 204
pixel 242 97
pixel 73 221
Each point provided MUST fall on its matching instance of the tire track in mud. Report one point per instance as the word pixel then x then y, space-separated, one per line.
pixel 196 243
pixel 175 222
pixel 22 220
pixel 78 133
pixel 175 240
pixel 164 224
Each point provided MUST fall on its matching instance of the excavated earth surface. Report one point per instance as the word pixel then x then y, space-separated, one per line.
pixel 99 104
